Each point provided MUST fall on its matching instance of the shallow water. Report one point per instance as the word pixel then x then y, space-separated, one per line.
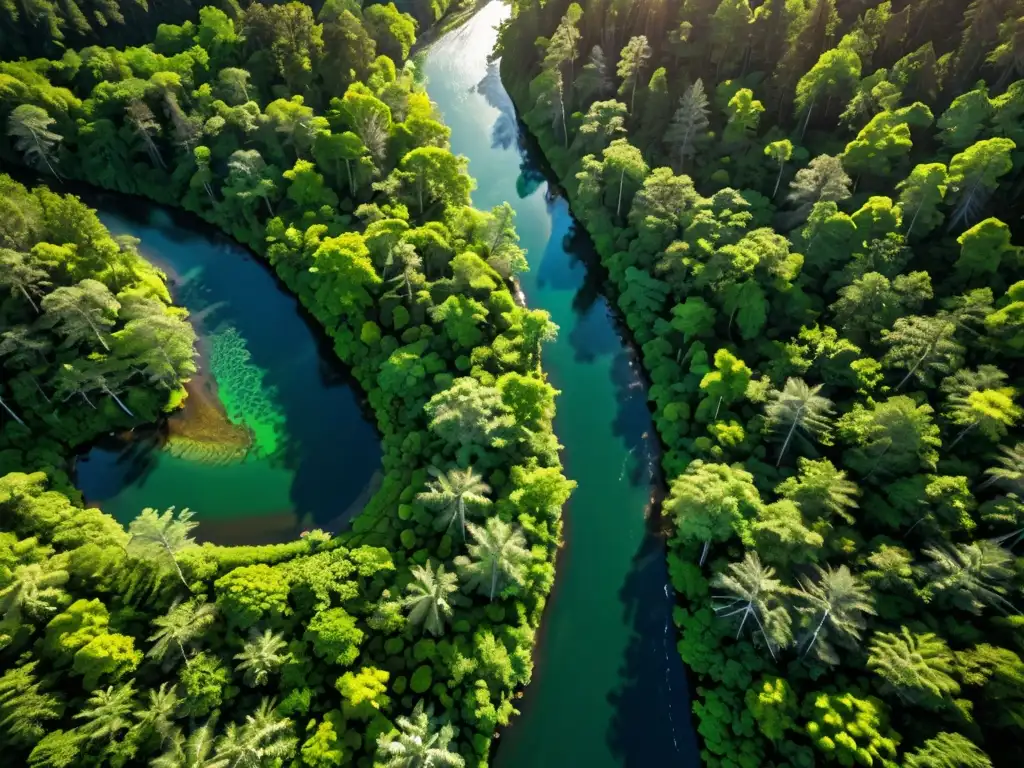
pixel 313 455
pixel 609 688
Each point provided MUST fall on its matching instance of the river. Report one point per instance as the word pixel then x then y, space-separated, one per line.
pixel 609 687
pixel 302 453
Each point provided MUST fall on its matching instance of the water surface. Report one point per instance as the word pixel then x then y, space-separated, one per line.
pixel 312 455
pixel 609 688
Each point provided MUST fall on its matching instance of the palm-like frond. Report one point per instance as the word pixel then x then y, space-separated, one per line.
pixel 175 630
pixel 157 715
pixel 836 604
pixel 416 745
pixel 452 493
pixel 34 592
pixel 427 597
pixel 1009 469
pixel 498 557
pixel 107 713
pixel 971 576
pixel 798 408
pixel 916 667
pixel 753 592
pixel 261 657
pixel 159 537
pixel 265 739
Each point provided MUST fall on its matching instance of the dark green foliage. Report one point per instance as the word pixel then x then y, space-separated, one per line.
pixel 843 250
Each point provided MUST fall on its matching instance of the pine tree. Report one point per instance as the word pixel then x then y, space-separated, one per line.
pixel 689 123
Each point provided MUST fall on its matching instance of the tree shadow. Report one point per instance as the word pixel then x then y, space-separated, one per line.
pixel 652 724
pixel 115 462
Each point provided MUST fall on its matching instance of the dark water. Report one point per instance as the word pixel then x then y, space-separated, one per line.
pixel 609 688
pixel 314 454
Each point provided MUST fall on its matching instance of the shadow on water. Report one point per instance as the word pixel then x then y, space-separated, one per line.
pixel 648 707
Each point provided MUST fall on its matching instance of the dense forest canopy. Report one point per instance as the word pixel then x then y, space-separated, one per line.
pixel 49 27
pixel 810 214
pixel 401 642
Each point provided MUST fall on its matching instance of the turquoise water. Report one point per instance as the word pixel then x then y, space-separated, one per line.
pixel 314 454
pixel 609 688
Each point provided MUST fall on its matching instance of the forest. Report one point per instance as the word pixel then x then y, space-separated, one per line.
pixel 808 210
pixel 303 133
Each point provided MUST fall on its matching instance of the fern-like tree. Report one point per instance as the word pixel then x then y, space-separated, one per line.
pixel 21 275
pixel 81 312
pixel 410 267
pixel 427 597
pixel 948 750
pixel 156 717
pixel 990 411
pixel 751 592
pixel 971 576
pixel 30 127
pixel 632 60
pixel 1009 469
pixel 34 593
pixel 498 558
pixel 146 128
pixel 835 605
pixel 25 710
pixel 107 713
pixel 261 657
pixel 780 151
pixel 417 745
pixel 265 739
pixel 451 493
pixel 917 667
pixel 22 349
pixel 177 629
pixel 159 538
pixel 823 180
pixel 196 751
pixel 594 81
pixel 798 409
pixel 921 345
pixel 821 490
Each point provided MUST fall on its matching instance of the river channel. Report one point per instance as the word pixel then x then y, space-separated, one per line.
pixel 609 687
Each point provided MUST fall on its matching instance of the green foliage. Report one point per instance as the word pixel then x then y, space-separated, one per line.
pixel 851 729
pixel 249 594
pixel 335 636
pixel 870 319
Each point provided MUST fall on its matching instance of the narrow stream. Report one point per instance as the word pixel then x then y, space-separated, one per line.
pixel 609 688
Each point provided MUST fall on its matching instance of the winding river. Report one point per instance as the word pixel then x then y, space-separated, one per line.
pixel 273 439
pixel 609 688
